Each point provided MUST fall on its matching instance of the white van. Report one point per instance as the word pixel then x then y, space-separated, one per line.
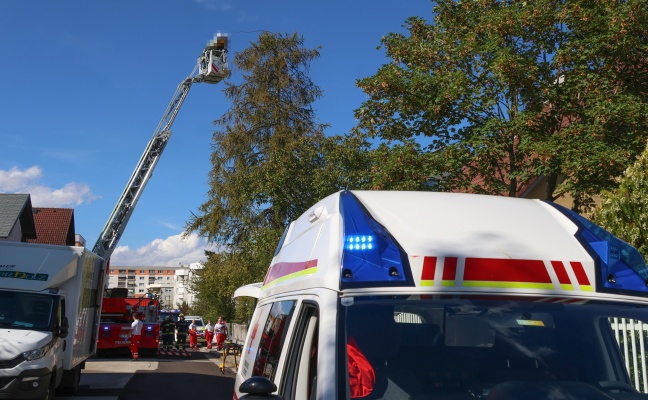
pixel 412 295
pixel 50 299
pixel 200 325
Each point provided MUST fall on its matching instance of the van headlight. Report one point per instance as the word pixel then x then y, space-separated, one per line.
pixel 38 353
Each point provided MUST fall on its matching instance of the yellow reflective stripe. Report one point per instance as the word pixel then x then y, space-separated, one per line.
pixel 513 285
pixel 297 274
pixel 427 283
pixel 586 288
pixel 447 283
pixel 567 287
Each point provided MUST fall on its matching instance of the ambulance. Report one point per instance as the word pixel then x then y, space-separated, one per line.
pixel 448 296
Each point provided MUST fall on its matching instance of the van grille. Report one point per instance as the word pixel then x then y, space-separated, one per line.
pixel 7 364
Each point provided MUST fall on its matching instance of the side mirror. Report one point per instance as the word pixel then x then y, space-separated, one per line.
pixel 258 388
pixel 64 328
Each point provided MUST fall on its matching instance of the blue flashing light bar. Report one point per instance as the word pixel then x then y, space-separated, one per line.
pixel 359 242
pixel 371 256
pixel 619 266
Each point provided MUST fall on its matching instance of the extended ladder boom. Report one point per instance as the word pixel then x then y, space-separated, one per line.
pixel 212 68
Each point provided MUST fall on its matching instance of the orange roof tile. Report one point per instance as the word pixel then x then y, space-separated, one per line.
pixel 54 226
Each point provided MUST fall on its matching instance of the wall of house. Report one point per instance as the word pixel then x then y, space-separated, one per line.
pixel 16 233
pixel 538 189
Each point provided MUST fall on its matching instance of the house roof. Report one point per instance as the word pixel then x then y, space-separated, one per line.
pixel 13 208
pixel 54 226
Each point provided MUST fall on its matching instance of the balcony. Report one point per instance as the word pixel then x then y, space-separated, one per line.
pixel 183 272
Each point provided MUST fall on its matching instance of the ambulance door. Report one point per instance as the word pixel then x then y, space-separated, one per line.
pixel 309 366
pixel 262 354
pixel 299 380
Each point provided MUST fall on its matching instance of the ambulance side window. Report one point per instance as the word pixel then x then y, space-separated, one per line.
pixel 272 339
pixel 299 382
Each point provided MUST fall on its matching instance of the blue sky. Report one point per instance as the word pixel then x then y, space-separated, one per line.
pixel 83 85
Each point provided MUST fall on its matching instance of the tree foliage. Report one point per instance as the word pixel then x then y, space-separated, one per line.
pixel 624 211
pixel 497 92
pixel 268 166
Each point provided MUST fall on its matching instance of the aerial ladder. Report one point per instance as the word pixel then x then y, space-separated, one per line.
pixel 210 68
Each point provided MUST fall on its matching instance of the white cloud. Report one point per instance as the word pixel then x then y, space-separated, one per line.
pixel 215 4
pixel 14 180
pixel 170 252
pixel 27 181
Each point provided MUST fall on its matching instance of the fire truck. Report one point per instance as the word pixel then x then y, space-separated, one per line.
pixel 116 318
pixel 117 308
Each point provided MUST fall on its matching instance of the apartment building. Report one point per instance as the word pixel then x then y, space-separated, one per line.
pixel 169 283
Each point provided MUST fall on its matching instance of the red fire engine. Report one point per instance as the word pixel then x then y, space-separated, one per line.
pixel 116 319
pixel 117 308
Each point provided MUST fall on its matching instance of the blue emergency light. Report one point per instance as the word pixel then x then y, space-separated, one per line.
pixel 370 256
pixel 359 242
pixel 619 266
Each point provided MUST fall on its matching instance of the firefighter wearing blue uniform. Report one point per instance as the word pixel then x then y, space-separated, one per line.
pixel 182 327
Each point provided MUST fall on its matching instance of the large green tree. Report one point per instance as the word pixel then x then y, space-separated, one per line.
pixel 498 92
pixel 268 166
pixel 624 210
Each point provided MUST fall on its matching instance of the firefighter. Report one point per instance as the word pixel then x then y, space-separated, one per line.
pixel 182 327
pixel 168 328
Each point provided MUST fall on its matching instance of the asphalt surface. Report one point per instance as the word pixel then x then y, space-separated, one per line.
pixel 161 378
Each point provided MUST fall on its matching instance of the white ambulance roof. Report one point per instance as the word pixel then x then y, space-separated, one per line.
pixel 458 224
pixel 429 242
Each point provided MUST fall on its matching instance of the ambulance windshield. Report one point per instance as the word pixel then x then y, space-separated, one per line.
pixel 477 348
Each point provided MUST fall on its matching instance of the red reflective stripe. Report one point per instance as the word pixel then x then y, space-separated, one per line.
pixel 449 269
pixel 579 271
pixel 505 270
pixel 286 268
pixel 561 272
pixel 429 268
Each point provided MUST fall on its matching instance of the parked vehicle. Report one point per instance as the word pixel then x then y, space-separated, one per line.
pixel 200 325
pixel 116 318
pixel 408 295
pixel 165 313
pixel 49 313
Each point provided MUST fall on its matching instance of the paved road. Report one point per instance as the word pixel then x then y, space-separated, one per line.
pixel 167 377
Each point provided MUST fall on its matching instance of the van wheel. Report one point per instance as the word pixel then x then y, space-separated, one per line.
pixel 71 380
pixel 49 395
